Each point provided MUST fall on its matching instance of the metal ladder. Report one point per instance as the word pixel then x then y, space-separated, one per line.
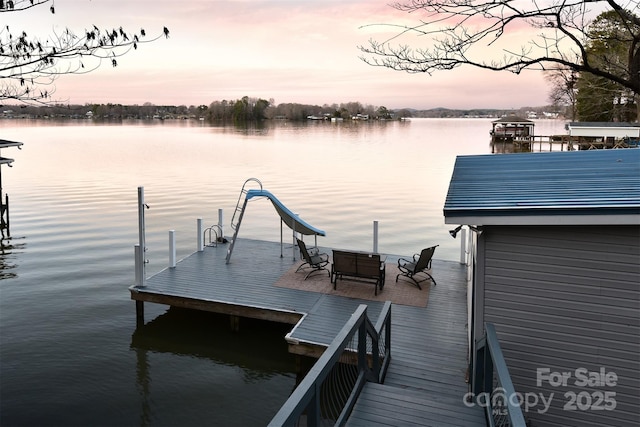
pixel 236 220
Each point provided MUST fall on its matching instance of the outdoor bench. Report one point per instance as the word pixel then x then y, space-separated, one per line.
pixel 358 265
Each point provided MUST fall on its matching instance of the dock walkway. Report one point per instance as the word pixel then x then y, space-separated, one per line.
pixel 425 384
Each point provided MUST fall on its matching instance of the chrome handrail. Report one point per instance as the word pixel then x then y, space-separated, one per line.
pixel 210 231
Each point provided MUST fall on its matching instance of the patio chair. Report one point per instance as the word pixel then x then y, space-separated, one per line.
pixel 312 259
pixel 419 264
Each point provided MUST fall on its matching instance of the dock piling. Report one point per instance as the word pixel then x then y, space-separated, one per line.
pixel 375 237
pixel 220 223
pixel 138 265
pixel 199 232
pixel 142 245
pixel 172 248
pixel 139 313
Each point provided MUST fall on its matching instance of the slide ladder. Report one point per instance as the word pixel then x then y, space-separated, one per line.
pixel 236 220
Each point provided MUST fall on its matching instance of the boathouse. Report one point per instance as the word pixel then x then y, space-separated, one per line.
pixel 555 250
pixel 591 135
pixel 511 128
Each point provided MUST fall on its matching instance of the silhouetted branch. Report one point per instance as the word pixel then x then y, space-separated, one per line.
pixel 474 32
pixel 29 64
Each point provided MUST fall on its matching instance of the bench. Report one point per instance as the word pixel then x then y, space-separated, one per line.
pixel 358 265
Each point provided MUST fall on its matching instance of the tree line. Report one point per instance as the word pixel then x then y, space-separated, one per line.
pixel 244 110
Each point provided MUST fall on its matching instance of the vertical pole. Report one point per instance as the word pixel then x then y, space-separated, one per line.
pixel 375 237
pixel 141 236
pixel 139 313
pixel 220 223
pixel 137 256
pixel 234 323
pixel 200 232
pixel 293 239
pixel 281 240
pixel 172 248
pixel 362 345
pixel 6 200
pixel 463 246
pixel 139 269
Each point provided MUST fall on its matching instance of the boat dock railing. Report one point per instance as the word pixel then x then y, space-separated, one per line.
pixel 492 383
pixel 542 143
pixel 534 143
pixel 361 352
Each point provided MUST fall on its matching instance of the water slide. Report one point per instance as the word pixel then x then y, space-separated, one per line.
pixel 292 220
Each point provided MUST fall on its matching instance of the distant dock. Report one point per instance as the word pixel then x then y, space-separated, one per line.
pixel 514 134
pixel 4 198
pixel 535 143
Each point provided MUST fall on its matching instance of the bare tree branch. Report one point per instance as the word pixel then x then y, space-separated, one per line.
pixel 459 32
pixel 29 64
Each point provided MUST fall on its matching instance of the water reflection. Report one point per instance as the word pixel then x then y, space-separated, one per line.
pixel 9 248
pixel 143 385
pixel 258 349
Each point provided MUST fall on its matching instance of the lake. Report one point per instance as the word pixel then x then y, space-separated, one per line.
pixel 70 353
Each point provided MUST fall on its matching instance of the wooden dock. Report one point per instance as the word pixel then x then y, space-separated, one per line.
pixel 425 384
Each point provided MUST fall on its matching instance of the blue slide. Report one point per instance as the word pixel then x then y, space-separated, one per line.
pixel 292 220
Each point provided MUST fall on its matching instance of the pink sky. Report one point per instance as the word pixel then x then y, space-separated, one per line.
pixel 289 50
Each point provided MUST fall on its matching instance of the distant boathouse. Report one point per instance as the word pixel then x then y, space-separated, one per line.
pixel 512 128
pixel 516 134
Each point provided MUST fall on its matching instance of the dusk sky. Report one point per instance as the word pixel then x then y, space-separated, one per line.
pixel 286 50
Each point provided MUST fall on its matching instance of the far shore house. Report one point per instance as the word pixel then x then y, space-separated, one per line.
pixel 555 260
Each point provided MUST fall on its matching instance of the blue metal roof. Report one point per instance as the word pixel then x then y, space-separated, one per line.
pixel 592 182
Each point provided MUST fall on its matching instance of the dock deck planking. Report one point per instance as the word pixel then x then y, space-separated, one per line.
pixel 425 383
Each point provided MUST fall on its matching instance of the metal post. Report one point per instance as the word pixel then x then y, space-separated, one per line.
pixel 220 223
pixel 139 266
pixel 293 239
pixel 200 232
pixel 6 207
pixel 463 246
pixel 140 282
pixel 375 237
pixel 172 248
pixel 281 240
pixel 141 237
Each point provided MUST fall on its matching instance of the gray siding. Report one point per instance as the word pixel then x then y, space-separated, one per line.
pixel 563 298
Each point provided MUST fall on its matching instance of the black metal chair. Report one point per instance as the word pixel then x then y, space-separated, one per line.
pixel 312 259
pixel 419 264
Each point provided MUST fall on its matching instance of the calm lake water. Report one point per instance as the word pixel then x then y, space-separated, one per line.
pixel 70 353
